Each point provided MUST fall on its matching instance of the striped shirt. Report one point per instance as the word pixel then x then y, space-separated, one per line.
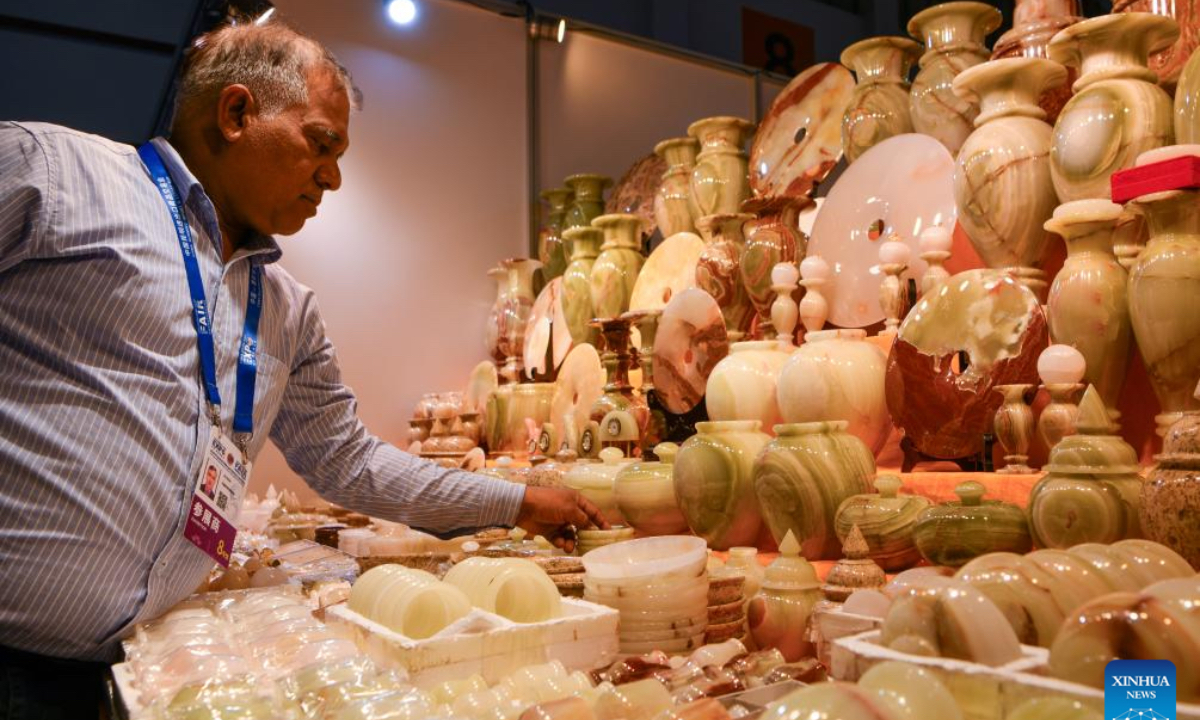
pixel 101 402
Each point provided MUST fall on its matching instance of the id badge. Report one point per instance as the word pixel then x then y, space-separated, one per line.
pixel 217 497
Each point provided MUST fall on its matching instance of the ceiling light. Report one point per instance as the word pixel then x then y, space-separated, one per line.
pixel 265 16
pixel 401 12
pixel 544 28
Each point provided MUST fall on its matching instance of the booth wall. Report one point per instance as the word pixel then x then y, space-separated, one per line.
pixel 433 195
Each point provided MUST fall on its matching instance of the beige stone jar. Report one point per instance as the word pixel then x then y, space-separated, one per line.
pixel 838 375
pixel 1170 507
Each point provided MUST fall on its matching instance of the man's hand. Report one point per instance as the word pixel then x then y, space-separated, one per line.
pixel 555 513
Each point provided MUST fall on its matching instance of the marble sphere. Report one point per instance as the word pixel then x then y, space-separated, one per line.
pixel 1061 364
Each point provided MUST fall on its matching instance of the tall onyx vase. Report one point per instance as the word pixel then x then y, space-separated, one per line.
pixel 587 202
pixel 551 246
pixel 584 246
pixel 514 314
pixel 1118 111
pixel 721 178
pixel 1163 287
pixel 1088 306
pixel 1002 182
pixel 878 108
pixel 617 267
pixel 718 271
pixel 674 207
pixel 953 34
pixel 772 237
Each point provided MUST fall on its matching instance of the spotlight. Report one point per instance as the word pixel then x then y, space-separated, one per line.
pixel 548 29
pixel 265 16
pixel 401 12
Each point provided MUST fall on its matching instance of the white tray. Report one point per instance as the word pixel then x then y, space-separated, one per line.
pixel 584 638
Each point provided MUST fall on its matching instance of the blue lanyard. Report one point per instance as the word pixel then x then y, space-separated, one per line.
pixel 243 416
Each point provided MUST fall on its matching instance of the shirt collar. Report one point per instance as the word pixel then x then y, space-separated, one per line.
pixel 262 248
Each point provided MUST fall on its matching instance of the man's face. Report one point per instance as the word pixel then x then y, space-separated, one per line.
pixel 285 163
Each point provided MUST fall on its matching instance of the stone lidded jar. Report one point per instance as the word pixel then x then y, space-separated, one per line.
pixel 1035 23
pixel 954 533
pixel 1002 183
pixel 878 108
pixel 779 614
pixel 584 246
pixel 1170 501
pixel 804 475
pixel 954 34
pixel 587 201
pixel 714 484
pixel 886 520
pixel 838 375
pixel 721 178
pixel 718 271
pixel 552 249
pixel 1163 286
pixel 674 208
pixel 617 267
pixel 1118 111
pixel 1088 306
pixel 1091 490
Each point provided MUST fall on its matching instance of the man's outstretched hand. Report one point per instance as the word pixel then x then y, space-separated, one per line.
pixel 555 513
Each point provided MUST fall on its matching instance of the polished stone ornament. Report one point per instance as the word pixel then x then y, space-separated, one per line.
pixel 743 386
pixel 799 140
pixel 886 520
pixel 803 476
pixel 957 532
pixel 1187 103
pixel 1014 427
pixel 1088 307
pixel 945 408
pixel 670 269
pixel 854 571
pixel 691 340
pixel 773 236
pixel 1169 62
pixel 1118 111
pixel 1002 182
pixel 1090 493
pixel 1170 502
pixel 941 617
pixel 878 108
pixel 953 34
pixel 514 309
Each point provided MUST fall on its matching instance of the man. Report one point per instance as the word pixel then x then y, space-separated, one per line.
pixel 104 394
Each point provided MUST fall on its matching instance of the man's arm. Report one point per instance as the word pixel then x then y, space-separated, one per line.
pixel 323 440
pixel 25 194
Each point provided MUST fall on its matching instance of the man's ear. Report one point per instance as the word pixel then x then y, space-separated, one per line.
pixel 235 108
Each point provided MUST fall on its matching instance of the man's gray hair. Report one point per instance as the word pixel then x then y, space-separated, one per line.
pixel 272 60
